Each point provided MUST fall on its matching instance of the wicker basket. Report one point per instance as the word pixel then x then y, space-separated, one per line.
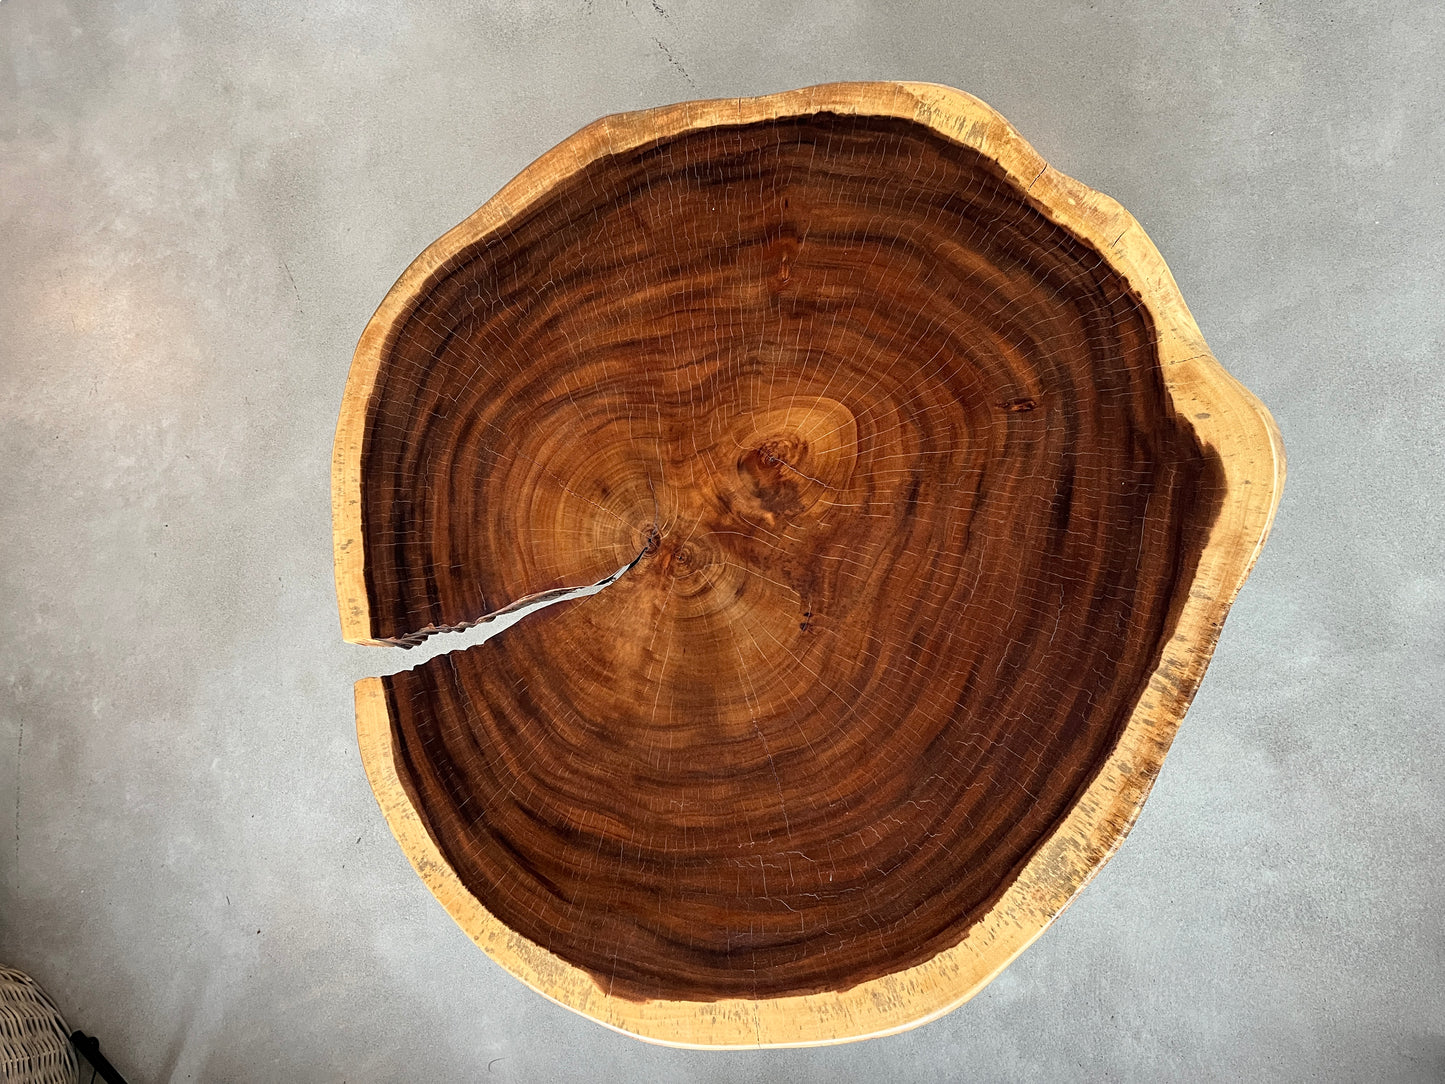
pixel 34 1041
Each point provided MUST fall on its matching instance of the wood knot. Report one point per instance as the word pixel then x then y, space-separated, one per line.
pixel 1021 405
pixel 770 476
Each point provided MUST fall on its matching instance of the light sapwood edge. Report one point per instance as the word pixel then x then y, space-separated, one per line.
pixel 1224 415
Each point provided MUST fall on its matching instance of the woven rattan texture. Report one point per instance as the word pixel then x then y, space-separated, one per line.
pixel 34 1043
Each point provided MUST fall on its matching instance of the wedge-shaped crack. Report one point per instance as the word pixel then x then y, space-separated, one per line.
pixel 484 628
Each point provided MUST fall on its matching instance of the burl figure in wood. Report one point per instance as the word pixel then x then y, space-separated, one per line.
pixel 928 501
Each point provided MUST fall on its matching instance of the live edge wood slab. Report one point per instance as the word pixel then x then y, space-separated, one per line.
pixel 922 501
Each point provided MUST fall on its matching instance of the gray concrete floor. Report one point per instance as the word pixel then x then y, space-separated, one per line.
pixel 200 204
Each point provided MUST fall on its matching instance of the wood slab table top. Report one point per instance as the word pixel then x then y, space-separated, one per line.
pixel 906 502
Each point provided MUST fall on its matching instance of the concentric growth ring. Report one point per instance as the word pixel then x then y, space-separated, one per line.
pixel 911 507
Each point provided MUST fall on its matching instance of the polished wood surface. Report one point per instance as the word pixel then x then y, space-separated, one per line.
pixel 930 501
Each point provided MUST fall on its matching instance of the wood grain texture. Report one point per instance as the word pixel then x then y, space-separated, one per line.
pixel 931 502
